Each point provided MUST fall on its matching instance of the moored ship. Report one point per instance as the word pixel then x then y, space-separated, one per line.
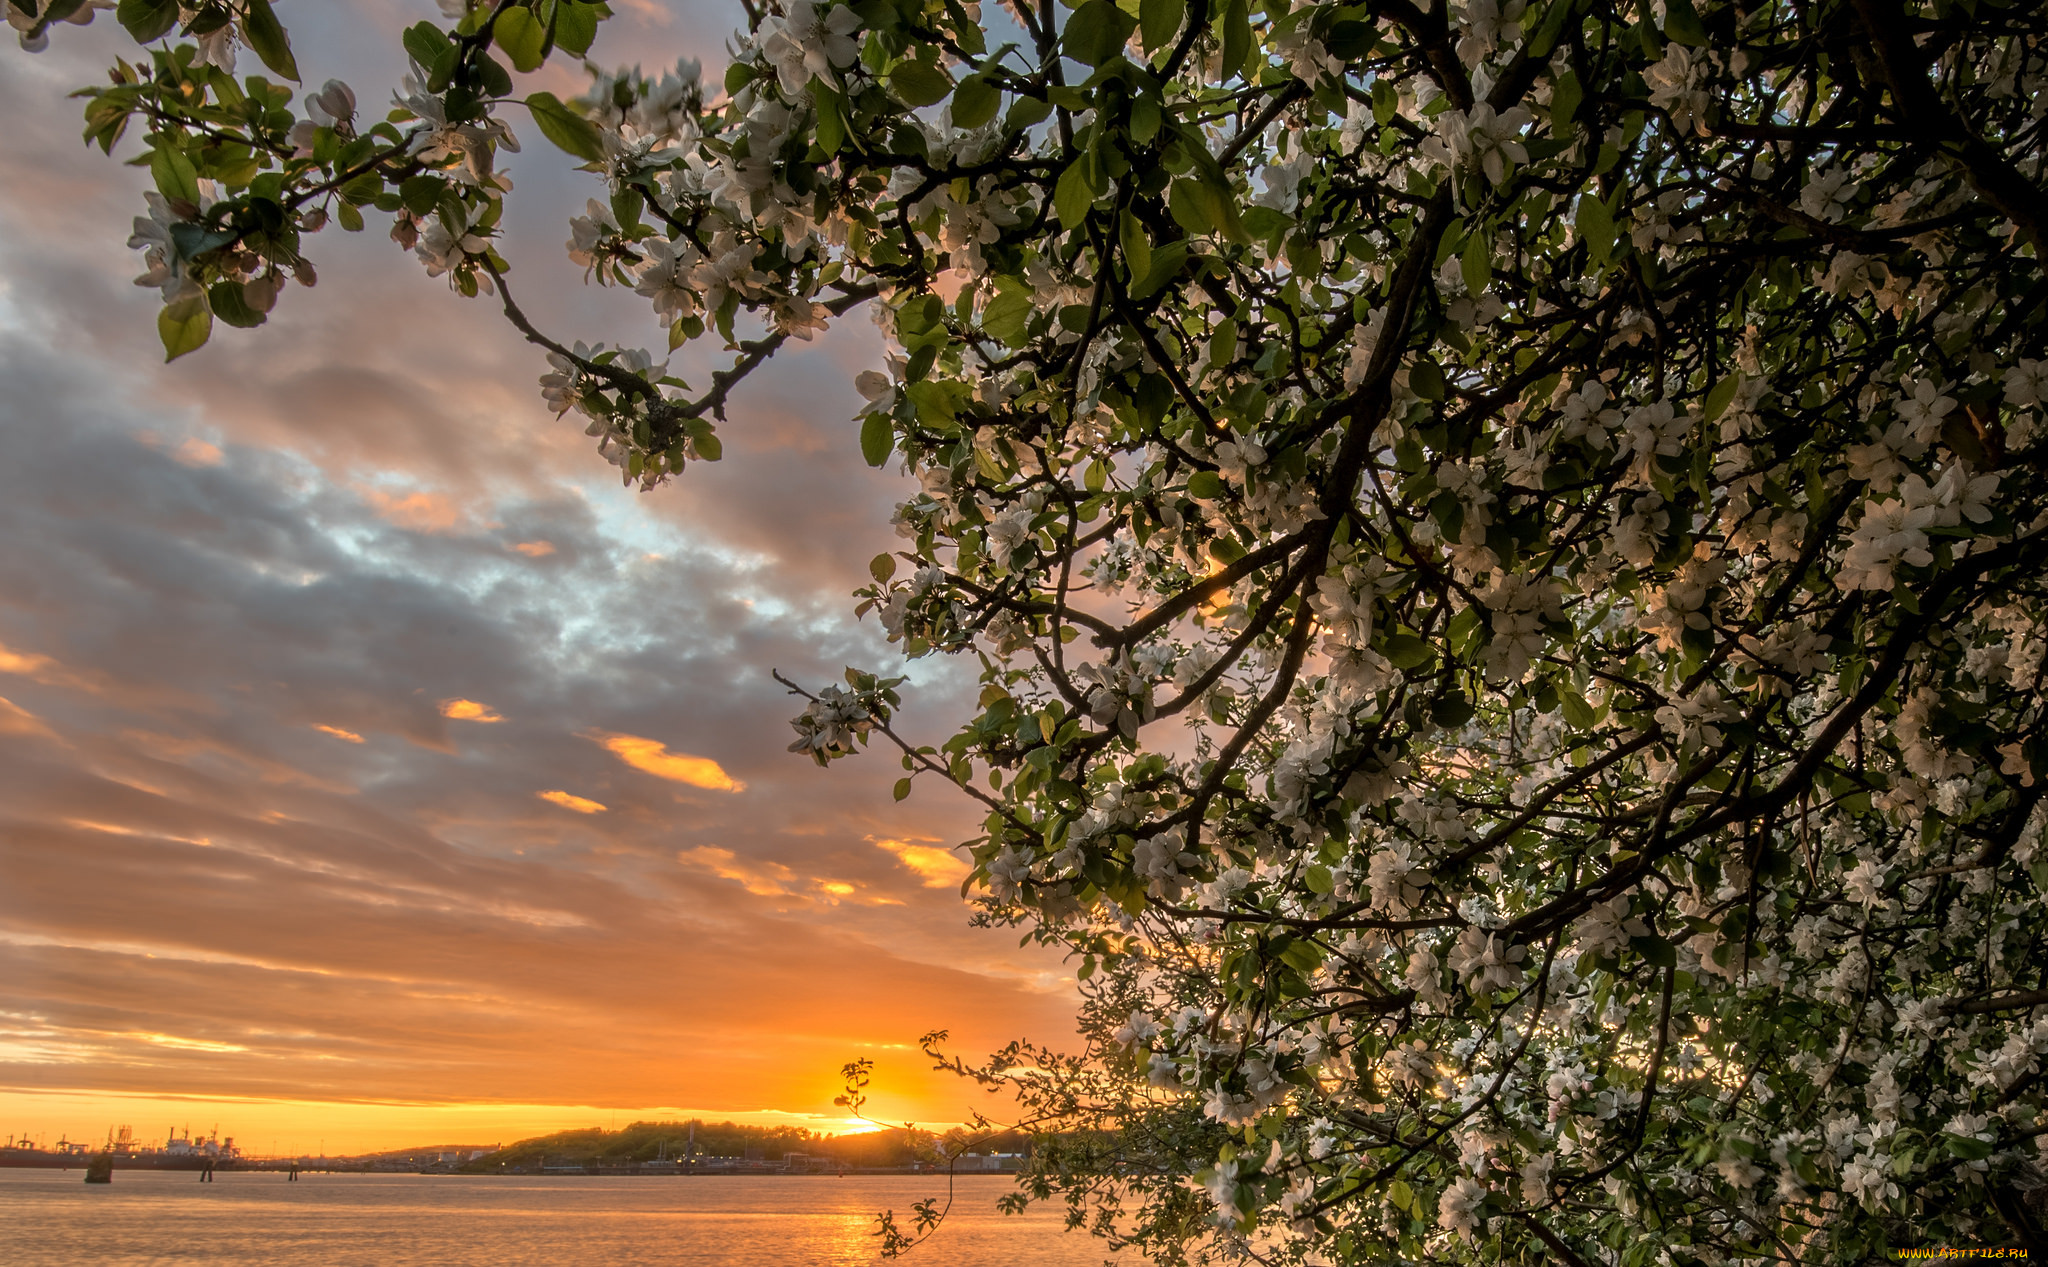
pixel 177 1153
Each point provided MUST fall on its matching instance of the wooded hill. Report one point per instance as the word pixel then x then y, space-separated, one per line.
pixel 647 1141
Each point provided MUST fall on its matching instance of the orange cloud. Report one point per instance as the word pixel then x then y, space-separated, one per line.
pixel 183 1044
pixel 768 880
pixel 938 868
pixel 24 663
pixel 569 800
pixel 468 710
pixel 197 452
pixel 653 757
pixel 16 720
pixel 421 512
pixel 535 549
pixel 348 736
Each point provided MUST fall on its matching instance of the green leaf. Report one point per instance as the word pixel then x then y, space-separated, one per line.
pixel 975 102
pixel 936 402
pixel 267 39
pixel 1145 120
pixel 1008 315
pixel 174 174
pixel 1319 880
pixel 1400 1194
pixel 1025 112
pixel 882 567
pixel 491 74
pixel 1137 246
pixel 1158 20
pixel 421 194
pixel 570 131
pixel 902 789
pixel 1565 96
pixel 1236 34
pixel 1452 710
pixel 1406 651
pixel 831 133
pixel 1188 212
pixel 877 438
pixel 1167 262
pixel 184 327
pixel 1596 226
pixel 523 38
pixel 1718 398
pixel 425 42
pixel 147 20
pixel 709 448
pixel 575 27
pixel 1656 950
pixel 230 306
pixel 1426 379
pixel 1577 712
pixel 1682 24
pixel 1476 264
pixel 1202 205
pixel 1072 197
pixel 1206 485
pixel 918 83
pixel 1097 32
pixel 1350 40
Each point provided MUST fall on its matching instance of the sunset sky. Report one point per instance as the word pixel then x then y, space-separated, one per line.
pixel 374 770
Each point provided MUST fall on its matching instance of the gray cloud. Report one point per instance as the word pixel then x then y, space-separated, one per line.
pixel 245 850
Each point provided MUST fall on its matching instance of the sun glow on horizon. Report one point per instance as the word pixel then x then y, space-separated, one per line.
pixel 285 1128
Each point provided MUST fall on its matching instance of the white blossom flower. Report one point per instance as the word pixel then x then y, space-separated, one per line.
pixel 1828 193
pixel 1457 1210
pixel 1675 87
pixel 809 39
pixel 1891 533
pixel 1482 138
pixel 2027 383
pixel 1867 1178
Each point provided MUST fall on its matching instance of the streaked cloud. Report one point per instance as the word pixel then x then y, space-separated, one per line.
pixel 16 720
pixel 763 880
pixel 569 800
pixel 184 1044
pixel 21 662
pixel 345 524
pixel 653 757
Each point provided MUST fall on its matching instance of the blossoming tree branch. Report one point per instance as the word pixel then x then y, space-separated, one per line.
pixel 1503 543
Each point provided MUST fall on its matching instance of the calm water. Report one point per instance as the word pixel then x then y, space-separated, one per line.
pixel 51 1216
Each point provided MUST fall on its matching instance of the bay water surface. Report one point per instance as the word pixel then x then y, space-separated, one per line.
pixel 149 1217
